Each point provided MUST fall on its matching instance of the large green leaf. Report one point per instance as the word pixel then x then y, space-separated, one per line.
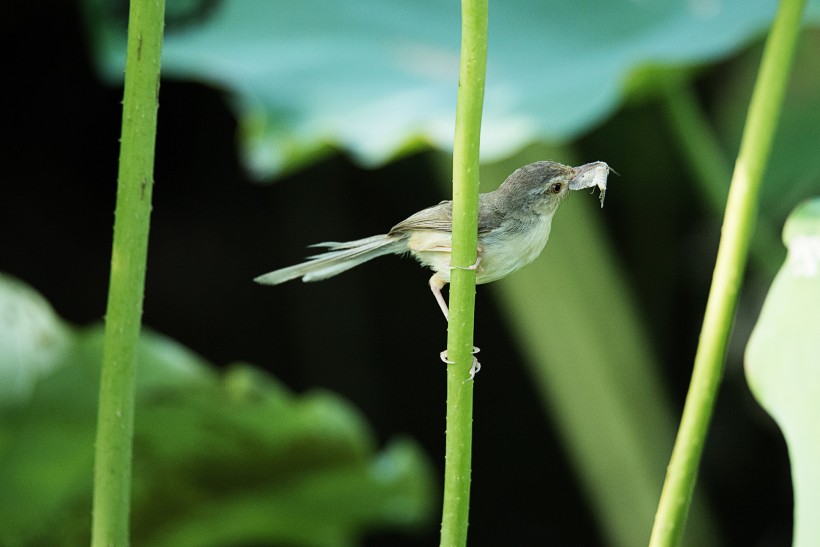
pixel 219 460
pixel 377 76
pixel 783 363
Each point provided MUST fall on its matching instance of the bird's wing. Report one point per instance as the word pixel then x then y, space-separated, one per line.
pixel 437 218
pixel 440 218
pixel 489 217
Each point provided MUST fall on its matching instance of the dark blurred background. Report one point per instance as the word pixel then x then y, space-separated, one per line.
pixel 375 333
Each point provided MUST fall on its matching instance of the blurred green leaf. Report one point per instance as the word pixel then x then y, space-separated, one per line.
pixel 377 78
pixel 219 460
pixel 783 363
pixel 31 338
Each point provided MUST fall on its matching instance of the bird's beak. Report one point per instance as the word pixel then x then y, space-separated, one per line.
pixel 589 175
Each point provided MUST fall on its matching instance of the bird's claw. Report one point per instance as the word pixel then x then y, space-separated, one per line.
pixel 473 267
pixel 474 369
pixel 443 355
pixel 476 366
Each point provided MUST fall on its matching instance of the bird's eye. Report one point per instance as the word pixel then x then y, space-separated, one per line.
pixel 556 187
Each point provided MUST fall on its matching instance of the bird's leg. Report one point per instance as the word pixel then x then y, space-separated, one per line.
pixel 436 284
pixel 475 265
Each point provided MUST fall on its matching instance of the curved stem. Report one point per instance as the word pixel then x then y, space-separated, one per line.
pixel 738 226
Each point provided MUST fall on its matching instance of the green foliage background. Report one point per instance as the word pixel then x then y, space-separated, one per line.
pixel 344 103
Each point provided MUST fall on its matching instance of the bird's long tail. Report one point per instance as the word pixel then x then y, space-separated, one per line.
pixel 339 258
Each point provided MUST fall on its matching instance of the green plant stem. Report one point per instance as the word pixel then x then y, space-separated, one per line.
pixel 738 225
pixel 458 448
pixel 115 423
pixel 708 163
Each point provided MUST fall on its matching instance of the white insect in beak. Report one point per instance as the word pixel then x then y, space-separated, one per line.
pixel 590 175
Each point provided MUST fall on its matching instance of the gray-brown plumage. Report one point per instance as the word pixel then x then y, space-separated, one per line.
pixel 513 227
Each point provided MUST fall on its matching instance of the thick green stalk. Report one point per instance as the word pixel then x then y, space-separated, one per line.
pixel 738 226
pixel 456 505
pixel 115 424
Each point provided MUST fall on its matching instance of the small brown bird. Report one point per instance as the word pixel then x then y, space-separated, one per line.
pixel 513 227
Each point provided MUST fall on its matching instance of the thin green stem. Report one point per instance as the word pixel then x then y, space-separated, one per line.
pixel 115 423
pixel 738 226
pixel 456 505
